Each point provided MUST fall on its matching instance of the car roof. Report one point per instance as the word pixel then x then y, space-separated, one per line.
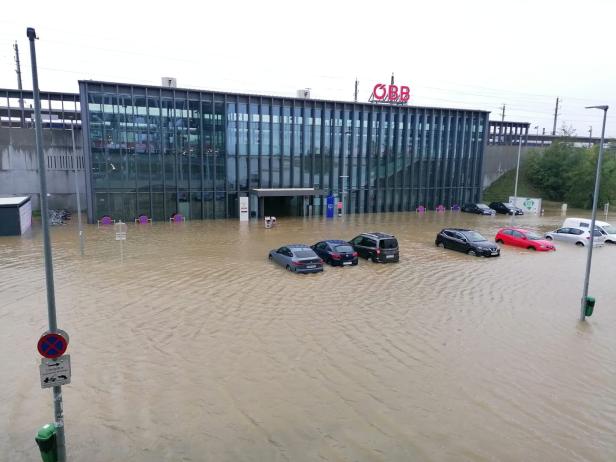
pixel 296 246
pixel 456 229
pixel 378 235
pixel 335 241
pixel 586 220
pixel 522 230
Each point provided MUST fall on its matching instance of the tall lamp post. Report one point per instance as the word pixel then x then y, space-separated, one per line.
pixel 517 175
pixel 595 199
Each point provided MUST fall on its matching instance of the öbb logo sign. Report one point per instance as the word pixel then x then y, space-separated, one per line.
pixel 391 93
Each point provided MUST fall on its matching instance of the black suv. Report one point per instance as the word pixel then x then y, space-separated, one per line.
pixel 467 241
pixel 481 209
pixel 507 209
pixel 379 247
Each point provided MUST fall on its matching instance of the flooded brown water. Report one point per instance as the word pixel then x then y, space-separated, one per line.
pixel 195 347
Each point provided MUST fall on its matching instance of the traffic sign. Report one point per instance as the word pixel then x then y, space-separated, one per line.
pixel 120 230
pixel 53 344
pixel 55 372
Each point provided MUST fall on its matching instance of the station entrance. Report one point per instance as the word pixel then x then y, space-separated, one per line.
pixel 291 202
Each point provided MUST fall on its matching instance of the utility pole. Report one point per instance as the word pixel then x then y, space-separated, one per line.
pixel 502 126
pixel 543 136
pixel 19 86
pixel 356 88
pixel 392 78
pixel 590 136
pixel 81 246
pixel 555 117
pixel 51 297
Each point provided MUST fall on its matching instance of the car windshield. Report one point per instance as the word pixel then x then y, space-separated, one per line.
pixel 534 236
pixel 388 244
pixel 343 248
pixel 303 253
pixel 474 236
pixel 609 229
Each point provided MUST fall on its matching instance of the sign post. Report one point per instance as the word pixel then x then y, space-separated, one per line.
pixel 243 208
pixel 51 298
pixel 120 235
pixel 329 213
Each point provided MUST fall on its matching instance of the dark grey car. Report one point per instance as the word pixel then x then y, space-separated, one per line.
pixel 299 258
pixel 378 247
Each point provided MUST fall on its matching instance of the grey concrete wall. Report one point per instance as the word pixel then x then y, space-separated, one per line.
pixel 499 159
pixel 19 166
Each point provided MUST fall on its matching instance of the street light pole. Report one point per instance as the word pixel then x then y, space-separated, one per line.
pixel 517 174
pixel 342 191
pixel 81 246
pixel 51 298
pixel 594 214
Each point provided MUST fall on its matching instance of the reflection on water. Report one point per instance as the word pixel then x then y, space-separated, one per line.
pixel 195 347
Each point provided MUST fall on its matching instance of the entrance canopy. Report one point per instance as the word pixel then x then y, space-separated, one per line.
pixel 281 192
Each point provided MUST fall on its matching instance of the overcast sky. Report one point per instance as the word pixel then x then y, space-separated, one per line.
pixel 474 54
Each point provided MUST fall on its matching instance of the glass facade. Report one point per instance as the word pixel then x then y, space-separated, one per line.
pixel 159 151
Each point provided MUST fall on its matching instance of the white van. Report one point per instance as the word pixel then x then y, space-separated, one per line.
pixel 606 229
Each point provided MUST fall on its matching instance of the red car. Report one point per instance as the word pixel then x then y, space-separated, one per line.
pixel 523 238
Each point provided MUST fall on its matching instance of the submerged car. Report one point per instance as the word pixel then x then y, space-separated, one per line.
pixel 378 247
pixel 577 236
pixel 519 237
pixel 606 229
pixel 336 252
pixel 480 209
pixel 299 258
pixel 467 241
pixel 506 208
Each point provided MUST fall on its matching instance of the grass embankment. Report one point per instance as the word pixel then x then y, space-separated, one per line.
pixel 502 188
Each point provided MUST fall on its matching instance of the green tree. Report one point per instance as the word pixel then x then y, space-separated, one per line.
pixel 549 171
pixel 564 172
pixel 581 179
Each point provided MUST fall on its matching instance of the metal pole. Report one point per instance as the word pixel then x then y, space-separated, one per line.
pixel 555 118
pixel 81 246
pixel 51 302
pixel 517 174
pixel 594 214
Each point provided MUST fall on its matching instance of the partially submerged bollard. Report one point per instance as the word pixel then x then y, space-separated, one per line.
pixel 589 305
pixel 563 209
pixel 46 440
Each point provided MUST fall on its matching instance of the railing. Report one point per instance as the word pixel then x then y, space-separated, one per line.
pixel 58 110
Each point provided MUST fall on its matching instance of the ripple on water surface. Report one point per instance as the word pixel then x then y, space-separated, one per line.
pixel 188 344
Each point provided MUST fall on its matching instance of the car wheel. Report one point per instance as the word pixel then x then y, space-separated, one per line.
pixel 374 260
pixel 499 241
pixel 472 253
pixel 579 244
pixel 549 238
pixel 530 247
pixel 288 268
pixel 269 257
pixel 438 243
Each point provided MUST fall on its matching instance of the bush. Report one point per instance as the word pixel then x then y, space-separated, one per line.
pixel 566 173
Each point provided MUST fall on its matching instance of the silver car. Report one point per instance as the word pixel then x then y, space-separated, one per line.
pixel 299 258
pixel 577 236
